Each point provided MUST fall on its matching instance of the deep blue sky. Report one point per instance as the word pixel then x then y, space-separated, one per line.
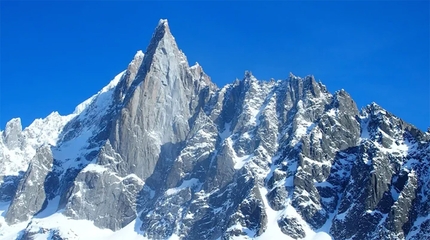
pixel 56 54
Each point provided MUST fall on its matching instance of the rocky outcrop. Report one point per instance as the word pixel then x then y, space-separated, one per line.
pixel 30 197
pixel 12 134
pixel 165 150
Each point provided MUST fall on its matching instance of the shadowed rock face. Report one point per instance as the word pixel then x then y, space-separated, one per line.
pixel 162 145
pixel 29 197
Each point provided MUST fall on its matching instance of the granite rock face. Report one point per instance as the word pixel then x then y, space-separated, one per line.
pixel 30 196
pixel 164 149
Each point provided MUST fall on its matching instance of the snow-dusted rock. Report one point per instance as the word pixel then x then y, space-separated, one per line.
pixel 163 153
pixel 30 196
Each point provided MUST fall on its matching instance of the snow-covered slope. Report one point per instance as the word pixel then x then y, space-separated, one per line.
pixel 163 153
pixel 19 146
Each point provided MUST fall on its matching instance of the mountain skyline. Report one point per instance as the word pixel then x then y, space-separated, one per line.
pixel 69 49
pixel 163 153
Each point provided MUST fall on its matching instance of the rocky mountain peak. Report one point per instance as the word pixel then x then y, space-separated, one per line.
pixel 162 44
pixel 137 58
pixel 163 23
pixel 14 125
pixel 12 133
pixel 291 75
pixel 248 75
pixel 162 153
pixel 161 30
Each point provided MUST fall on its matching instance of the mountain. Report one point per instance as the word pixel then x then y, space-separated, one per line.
pixel 161 152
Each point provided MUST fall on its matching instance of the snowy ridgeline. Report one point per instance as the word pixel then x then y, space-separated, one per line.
pixel 162 153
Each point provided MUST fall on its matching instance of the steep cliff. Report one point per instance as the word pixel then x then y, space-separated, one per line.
pixel 161 152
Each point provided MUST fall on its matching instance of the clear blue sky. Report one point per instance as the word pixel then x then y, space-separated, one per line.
pixel 56 54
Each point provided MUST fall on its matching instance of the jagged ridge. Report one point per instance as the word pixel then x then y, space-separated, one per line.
pixel 162 152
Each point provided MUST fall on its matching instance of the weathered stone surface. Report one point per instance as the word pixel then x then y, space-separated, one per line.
pixel 292 228
pixel 12 134
pixel 164 146
pixel 30 197
pixel 108 200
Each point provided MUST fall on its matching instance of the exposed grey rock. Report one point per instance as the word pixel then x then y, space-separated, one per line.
pixel 156 107
pixel 169 149
pixel 12 133
pixel 108 200
pixel 292 228
pixel 30 197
